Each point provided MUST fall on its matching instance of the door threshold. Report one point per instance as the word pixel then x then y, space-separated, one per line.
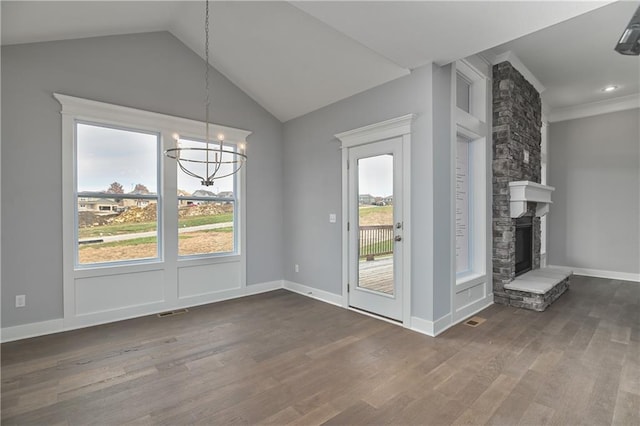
pixel 376 316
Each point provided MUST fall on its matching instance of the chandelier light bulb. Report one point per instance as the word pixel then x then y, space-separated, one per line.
pixel 220 136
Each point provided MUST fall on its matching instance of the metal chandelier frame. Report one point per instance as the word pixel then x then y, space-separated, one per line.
pixel 216 154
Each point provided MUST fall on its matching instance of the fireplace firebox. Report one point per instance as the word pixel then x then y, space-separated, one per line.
pixel 524 245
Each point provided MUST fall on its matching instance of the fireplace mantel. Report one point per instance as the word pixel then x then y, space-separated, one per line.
pixel 523 192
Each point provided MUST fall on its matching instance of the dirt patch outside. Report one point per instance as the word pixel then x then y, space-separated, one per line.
pixel 196 243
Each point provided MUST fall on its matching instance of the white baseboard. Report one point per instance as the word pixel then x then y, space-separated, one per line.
pixel 600 273
pixel 314 293
pixel 25 331
pixel 434 328
pixel 423 326
pixel 9 334
pixel 431 328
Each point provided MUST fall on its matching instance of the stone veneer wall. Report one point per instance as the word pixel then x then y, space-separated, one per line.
pixel 517 121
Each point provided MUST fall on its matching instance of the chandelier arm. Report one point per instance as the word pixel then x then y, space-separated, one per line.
pixel 189 172
pixel 170 153
pixel 219 162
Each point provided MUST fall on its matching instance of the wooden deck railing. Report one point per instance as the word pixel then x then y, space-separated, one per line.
pixel 376 240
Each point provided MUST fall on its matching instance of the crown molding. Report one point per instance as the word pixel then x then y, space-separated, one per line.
pixel 375 132
pixel 510 57
pixel 594 108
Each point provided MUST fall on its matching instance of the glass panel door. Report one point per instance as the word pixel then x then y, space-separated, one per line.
pixel 375 228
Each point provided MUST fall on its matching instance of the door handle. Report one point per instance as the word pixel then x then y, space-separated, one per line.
pixel 398 238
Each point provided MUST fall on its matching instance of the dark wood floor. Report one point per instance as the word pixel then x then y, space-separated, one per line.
pixel 282 358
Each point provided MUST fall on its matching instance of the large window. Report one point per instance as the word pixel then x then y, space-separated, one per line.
pixel 138 236
pixel 206 215
pixel 117 203
pixel 131 204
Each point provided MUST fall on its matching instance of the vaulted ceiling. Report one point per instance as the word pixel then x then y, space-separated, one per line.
pixel 296 57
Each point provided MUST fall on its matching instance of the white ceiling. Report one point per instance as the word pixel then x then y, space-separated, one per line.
pixel 294 58
pixel 575 59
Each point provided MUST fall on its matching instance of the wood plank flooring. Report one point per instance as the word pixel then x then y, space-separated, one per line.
pixel 281 358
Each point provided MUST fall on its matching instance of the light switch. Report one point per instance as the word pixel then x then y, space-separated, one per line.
pixel 332 218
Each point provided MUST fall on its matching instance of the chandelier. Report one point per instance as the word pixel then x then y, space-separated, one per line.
pixel 214 160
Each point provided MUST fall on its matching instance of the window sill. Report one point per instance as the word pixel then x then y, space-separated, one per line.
pixel 207 259
pixel 470 279
pixel 98 270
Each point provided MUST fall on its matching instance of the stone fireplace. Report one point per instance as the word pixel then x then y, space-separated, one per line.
pixel 517 120
pixel 519 200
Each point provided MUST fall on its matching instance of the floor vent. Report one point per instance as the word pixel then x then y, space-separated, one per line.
pixel 474 321
pixel 171 313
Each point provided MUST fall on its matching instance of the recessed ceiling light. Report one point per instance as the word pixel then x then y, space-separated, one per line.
pixel 609 88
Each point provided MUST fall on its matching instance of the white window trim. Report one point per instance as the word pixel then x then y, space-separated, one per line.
pixel 475 127
pixel 79 109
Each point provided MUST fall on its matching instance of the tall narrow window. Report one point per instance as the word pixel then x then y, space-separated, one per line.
pixel 463 206
pixel 117 199
pixel 207 215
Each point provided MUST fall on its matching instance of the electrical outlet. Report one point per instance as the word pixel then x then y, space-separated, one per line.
pixel 297 268
pixel 21 301
pixel 332 218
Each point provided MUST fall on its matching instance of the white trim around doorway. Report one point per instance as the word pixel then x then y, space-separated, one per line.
pixel 393 128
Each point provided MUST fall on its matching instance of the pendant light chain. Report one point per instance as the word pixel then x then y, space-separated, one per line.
pixel 214 155
pixel 206 81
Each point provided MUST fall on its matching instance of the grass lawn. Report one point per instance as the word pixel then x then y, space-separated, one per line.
pixel 132 242
pixel 146 240
pixel 133 228
pixel 365 211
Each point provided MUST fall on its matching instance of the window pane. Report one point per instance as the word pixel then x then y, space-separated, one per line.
pixel 205 227
pixel 116 160
pixel 115 229
pixel 110 162
pixel 463 229
pixel 462 93
pixel 188 185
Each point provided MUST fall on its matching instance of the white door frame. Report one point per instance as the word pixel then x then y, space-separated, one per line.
pixel 393 128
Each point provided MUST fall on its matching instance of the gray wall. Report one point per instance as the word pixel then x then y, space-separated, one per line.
pixel 594 164
pixel 312 185
pixel 443 214
pixel 152 71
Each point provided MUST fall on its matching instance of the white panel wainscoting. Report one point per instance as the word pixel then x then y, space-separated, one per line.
pixel 113 292
pixel 205 279
pixel 471 296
